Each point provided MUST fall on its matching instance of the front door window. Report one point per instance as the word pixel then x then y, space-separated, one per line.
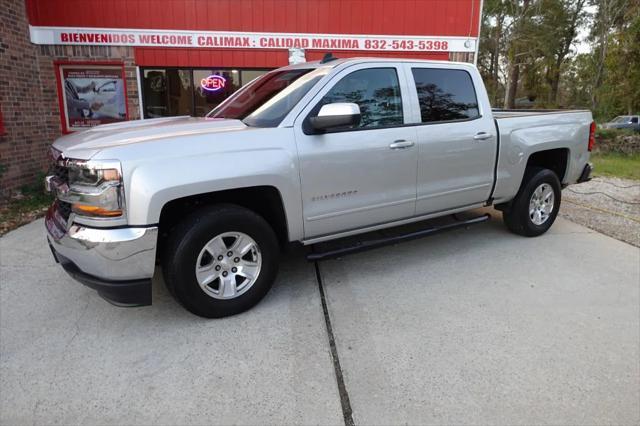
pixel 377 93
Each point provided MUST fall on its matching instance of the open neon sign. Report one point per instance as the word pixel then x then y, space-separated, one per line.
pixel 213 83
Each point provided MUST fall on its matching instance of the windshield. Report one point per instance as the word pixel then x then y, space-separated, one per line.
pixel 621 119
pixel 267 100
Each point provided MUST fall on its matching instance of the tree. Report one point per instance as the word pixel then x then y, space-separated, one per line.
pixel 519 13
pixel 617 90
pixel 609 15
pixel 559 23
pixel 492 46
pixel 526 50
pixel 577 81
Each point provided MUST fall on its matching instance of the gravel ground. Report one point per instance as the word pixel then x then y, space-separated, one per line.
pixel 605 204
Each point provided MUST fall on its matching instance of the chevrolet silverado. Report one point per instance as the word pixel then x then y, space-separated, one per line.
pixel 310 152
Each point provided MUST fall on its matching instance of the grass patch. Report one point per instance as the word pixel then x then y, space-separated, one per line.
pixel 612 133
pixel 617 165
pixel 32 204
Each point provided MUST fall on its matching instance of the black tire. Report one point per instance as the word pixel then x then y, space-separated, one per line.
pixel 516 215
pixel 188 238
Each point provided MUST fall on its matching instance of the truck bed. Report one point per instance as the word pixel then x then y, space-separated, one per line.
pixel 524 132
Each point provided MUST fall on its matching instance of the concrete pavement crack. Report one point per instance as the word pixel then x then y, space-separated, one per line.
pixel 345 403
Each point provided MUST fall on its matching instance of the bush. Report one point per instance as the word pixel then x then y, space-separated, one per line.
pixel 619 141
pixel 612 133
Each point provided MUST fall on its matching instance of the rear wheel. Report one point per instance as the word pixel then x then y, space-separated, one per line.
pixel 535 207
pixel 220 261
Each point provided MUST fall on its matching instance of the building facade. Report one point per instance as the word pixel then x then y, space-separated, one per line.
pixel 67 65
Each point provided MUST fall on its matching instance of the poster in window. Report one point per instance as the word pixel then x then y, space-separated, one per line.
pixel 91 95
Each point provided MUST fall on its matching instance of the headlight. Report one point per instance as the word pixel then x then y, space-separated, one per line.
pixel 81 176
pixel 94 188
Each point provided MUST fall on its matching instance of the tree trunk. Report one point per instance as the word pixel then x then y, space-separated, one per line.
pixel 512 85
pixel 554 89
pixel 496 64
pixel 555 82
pixel 599 77
pixel 514 67
pixel 609 12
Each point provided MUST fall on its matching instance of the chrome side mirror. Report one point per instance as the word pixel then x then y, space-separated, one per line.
pixel 336 115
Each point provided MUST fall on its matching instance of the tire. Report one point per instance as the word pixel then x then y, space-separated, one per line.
pixel 517 216
pixel 195 250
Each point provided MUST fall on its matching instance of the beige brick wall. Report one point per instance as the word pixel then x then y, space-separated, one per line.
pixel 29 98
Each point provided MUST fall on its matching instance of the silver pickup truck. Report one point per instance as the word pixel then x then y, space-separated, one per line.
pixel 310 152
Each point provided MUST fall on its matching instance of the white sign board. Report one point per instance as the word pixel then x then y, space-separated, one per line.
pixel 247 40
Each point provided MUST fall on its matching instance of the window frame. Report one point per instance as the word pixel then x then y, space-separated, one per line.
pixel 415 99
pixel 191 70
pixel 305 115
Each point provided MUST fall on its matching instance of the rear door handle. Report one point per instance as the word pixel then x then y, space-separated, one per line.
pixel 401 144
pixel 480 136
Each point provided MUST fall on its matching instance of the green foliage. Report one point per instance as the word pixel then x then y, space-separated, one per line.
pixel 610 134
pixel 618 165
pixel 620 90
pixel 532 41
pixel 32 203
pixel 35 187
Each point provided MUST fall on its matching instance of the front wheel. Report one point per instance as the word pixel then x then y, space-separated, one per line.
pixel 535 207
pixel 220 261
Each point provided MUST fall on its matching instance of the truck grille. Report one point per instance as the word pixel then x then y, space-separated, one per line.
pixel 64 209
pixel 58 167
pixel 61 172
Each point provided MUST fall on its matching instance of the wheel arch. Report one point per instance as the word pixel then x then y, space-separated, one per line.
pixel 556 160
pixel 265 200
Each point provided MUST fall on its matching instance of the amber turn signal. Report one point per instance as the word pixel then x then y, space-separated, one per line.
pixel 94 211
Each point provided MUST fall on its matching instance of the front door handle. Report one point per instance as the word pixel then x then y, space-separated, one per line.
pixel 480 136
pixel 401 144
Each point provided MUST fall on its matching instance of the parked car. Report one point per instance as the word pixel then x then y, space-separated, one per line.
pixel 310 153
pixel 631 122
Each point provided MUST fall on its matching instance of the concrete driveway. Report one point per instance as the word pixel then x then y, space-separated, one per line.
pixel 474 326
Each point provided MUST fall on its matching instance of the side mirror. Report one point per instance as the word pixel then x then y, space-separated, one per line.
pixel 337 115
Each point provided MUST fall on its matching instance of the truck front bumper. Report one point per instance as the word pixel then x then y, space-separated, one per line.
pixel 117 262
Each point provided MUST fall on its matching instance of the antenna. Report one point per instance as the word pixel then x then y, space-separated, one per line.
pixel 328 57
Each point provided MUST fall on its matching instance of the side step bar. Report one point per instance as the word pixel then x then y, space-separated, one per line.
pixel 380 242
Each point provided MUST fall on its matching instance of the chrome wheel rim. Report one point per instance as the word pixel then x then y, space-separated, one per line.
pixel 541 204
pixel 228 265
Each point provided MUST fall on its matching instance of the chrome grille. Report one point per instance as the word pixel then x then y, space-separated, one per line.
pixel 58 167
pixel 64 209
pixel 61 172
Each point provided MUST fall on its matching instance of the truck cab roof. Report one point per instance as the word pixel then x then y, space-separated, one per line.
pixel 334 63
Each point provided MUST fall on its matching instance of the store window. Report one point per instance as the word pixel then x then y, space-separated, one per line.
pixel 176 91
pixel 210 91
pixel 155 93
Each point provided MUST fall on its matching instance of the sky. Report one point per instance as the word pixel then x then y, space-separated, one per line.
pixel 581 45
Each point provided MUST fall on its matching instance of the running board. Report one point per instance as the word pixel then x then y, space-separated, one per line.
pixel 380 242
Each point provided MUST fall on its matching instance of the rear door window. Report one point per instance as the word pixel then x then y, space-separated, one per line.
pixel 445 95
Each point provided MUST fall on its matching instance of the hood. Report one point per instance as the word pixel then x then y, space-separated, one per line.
pixel 86 144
